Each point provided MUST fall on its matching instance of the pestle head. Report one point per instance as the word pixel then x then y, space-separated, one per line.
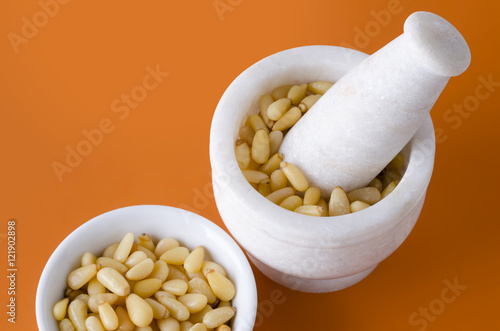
pixel 437 44
pixel 368 116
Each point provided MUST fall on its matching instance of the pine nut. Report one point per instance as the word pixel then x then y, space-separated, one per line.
pixel 124 321
pixel 95 299
pixel 272 164
pixel 160 271
pixel 339 203
pixel 145 241
pixel 66 325
pixel 397 162
pixel 218 316
pixel 294 176
pixel 77 313
pixel 278 196
pixel 370 195
pixel 278 180
pixel 280 92
pixel 308 102
pixel 59 309
pixel 194 302
pixel 198 317
pixel 159 310
pixel 186 325
pixel 177 309
pixel 135 258
pixel 390 176
pixel 223 327
pixel 124 248
pixel 144 328
pixel 84 297
pixel 141 314
pixel 257 123
pixel 79 277
pixel 297 93
pixel 246 134
pixel 264 187
pixel 254 176
pixel 147 287
pixel 222 287
pixel 261 147
pixel 358 205
pixel 113 281
pixel 264 103
pixel 164 245
pixel 111 263
pixel 148 253
pixel 198 327
pixel 199 285
pixel 319 87
pixel 322 204
pixel 289 119
pixel 175 256
pixel 309 210
pixel 140 270
pixel 169 324
pixel 175 273
pixel 93 323
pixel 107 316
pixel 312 196
pixel 275 140
pixel 175 286
pixel 224 304
pixel 95 287
pixel 110 250
pixel 88 258
pixel 278 108
pixel 376 183
pixel 194 261
pixel 291 203
pixel 389 189
pixel 243 154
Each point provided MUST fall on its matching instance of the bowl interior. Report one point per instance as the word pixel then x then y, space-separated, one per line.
pixel 190 229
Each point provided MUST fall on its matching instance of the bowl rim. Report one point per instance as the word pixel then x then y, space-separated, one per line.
pixel 243 321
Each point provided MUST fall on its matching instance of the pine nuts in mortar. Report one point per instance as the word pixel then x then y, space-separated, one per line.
pixel 284 183
pixel 140 285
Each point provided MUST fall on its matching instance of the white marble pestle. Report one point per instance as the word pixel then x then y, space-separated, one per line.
pixel 372 112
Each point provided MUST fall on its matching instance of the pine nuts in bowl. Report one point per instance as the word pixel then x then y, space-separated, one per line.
pixel 113 233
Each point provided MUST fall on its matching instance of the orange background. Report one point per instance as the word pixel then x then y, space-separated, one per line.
pixel 65 77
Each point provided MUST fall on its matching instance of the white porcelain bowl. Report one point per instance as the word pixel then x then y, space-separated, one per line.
pixel 190 229
pixel 303 252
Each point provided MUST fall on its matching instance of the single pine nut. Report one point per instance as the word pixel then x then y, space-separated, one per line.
pixel 319 87
pixel 143 249
pixel 159 310
pixel 198 317
pixel 135 258
pixel 59 309
pixel 95 299
pixel 308 102
pixel 291 203
pixel 339 203
pixel 160 295
pixel 124 248
pixel 145 241
pixel 95 287
pixel 264 103
pixel 376 183
pixel 254 176
pixel 139 311
pixel 175 273
pixel 88 258
pixel 322 203
pixel 79 277
pixel 147 287
pixel 243 154
pixel 223 327
pixel 294 176
pixel 312 196
pixel 297 93
pixel 113 281
pixel 175 286
pixel 224 304
pixel 246 134
pixel 309 210
pixel 93 323
pixel 222 287
pixel 160 270
pixel 264 187
pixel 275 140
pixel 289 119
pixel 124 321
pixel 272 164
pixel 84 297
pixel 389 189
pixel 141 270
pixel 164 245
pixel 278 108
pixel 218 316
pixel 77 313
pixel 169 324
pixel 207 265
pixel 198 327
pixel 261 147
pixel 107 316
pixel 257 123
pixel 278 180
pixel 111 263
pixel 370 195
pixel 66 325
pixel 397 162
pixel 280 92
pixel 175 256
pixel 186 325
pixel 278 196
pixel 110 250
pixel 177 309
pixel 358 205
pixel 194 302
pixel 199 285
pixel 194 260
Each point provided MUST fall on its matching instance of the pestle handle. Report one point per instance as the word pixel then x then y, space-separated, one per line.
pixel 372 112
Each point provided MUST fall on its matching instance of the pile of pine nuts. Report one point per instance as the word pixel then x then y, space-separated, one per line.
pixel 282 182
pixel 140 286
